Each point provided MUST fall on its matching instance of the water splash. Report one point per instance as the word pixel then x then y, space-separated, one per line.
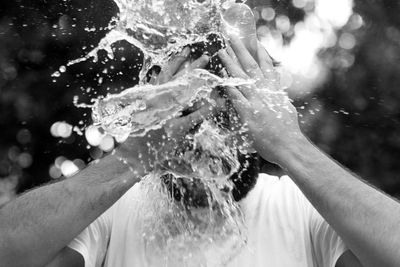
pixel 137 110
pixel 159 27
pixel 209 154
pixel 174 233
pixel 177 235
pixel 238 20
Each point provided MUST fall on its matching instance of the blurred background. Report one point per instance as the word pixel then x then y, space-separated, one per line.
pixel 340 64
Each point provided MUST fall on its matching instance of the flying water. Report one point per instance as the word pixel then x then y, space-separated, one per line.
pixel 137 110
pixel 163 26
pixel 160 28
pixel 175 234
pixel 176 230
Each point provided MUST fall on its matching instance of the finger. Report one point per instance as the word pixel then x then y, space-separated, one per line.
pixel 232 67
pixel 195 106
pixel 173 66
pixel 239 103
pixel 232 54
pixel 184 65
pixel 265 62
pixel 249 64
pixel 153 78
pixel 235 95
pixel 198 116
pixel 199 63
pixel 223 73
pixel 181 126
pixel 236 71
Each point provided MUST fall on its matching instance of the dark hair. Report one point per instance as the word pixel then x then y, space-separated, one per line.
pixel 193 192
pixel 246 177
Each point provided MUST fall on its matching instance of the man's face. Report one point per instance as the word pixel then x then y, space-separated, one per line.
pixel 197 210
pixel 197 205
pixel 227 136
pixel 222 155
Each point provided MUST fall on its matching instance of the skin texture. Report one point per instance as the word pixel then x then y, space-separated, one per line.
pixel 353 208
pixel 266 142
pixel 364 217
pixel 38 224
pixel 36 227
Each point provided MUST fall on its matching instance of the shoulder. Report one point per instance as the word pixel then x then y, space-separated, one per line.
pixel 277 194
pixel 274 186
pixel 127 200
pixel 131 194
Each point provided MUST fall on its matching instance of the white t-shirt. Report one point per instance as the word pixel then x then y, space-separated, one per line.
pixel 284 230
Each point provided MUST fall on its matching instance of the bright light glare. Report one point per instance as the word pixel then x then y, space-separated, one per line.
pixel 107 144
pixel 356 22
pixel 25 160
pixel 299 58
pixel 300 3
pixel 68 168
pixel 283 23
pixel 335 12
pixel 347 41
pixel 59 161
pixel 61 129
pixel 268 13
pixel 93 135
pixel 54 172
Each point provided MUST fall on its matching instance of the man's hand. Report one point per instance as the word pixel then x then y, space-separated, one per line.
pixel 154 149
pixel 266 111
pixel 365 218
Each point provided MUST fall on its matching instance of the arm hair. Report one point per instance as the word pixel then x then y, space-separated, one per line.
pixel 36 226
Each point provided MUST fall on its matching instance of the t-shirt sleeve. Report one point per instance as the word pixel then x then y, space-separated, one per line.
pixel 327 245
pixel 92 242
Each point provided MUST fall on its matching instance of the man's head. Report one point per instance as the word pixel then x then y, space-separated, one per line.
pixel 209 150
pixel 193 192
pixel 206 170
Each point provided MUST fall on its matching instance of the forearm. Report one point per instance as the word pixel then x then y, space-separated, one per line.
pixel 364 217
pixel 37 225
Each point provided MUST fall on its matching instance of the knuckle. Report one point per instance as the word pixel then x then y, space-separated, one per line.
pixel 253 66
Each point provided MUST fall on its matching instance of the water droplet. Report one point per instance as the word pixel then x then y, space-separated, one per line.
pixel 56 74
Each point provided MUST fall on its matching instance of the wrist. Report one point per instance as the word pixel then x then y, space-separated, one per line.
pixel 292 151
pixel 107 176
pixel 112 168
pixel 132 160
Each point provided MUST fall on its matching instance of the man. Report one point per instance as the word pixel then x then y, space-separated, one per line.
pixel 365 218
pixel 144 229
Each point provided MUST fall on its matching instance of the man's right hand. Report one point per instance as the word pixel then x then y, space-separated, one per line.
pixel 267 111
pixel 143 154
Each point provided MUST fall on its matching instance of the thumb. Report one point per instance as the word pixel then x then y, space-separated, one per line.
pixel 235 95
pixel 239 103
